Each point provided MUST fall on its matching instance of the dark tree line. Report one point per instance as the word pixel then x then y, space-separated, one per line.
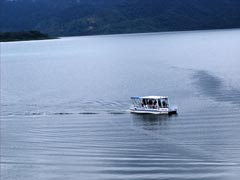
pixel 21 36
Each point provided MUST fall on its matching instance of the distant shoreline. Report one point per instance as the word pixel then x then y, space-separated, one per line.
pixel 47 37
pixel 23 36
pixel 157 32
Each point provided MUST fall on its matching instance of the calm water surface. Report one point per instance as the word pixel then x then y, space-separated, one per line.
pixel 64 107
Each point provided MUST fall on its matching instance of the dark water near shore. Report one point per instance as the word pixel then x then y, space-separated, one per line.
pixel 64 107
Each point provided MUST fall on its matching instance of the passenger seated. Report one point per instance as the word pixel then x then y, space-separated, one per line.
pixel 154 104
pixel 159 103
pixel 164 104
pixel 144 103
pixel 150 103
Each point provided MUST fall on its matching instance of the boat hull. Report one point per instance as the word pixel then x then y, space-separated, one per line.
pixel 152 111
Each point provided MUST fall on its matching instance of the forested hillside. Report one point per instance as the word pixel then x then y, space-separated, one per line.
pixel 87 17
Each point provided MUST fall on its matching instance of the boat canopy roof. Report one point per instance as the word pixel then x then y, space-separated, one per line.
pixel 149 97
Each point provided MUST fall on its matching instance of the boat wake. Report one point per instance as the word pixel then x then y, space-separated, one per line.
pixel 110 112
pixel 215 88
pixel 66 109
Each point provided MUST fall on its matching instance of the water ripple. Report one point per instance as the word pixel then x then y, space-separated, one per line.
pixel 214 87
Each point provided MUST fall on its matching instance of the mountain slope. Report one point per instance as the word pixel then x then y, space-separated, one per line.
pixel 86 17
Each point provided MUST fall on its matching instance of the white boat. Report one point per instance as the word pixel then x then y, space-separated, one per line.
pixel 152 105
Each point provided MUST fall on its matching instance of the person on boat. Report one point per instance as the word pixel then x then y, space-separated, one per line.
pixel 144 103
pixel 165 104
pixel 159 103
pixel 154 104
pixel 150 103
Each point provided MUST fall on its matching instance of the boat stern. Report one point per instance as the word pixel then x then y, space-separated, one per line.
pixel 173 110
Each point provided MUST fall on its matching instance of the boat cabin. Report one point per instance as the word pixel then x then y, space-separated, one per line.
pixel 152 105
pixel 150 102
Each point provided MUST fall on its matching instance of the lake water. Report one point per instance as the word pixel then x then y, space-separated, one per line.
pixel 64 107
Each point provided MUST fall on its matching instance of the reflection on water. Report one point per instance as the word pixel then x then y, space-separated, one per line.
pixel 151 121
